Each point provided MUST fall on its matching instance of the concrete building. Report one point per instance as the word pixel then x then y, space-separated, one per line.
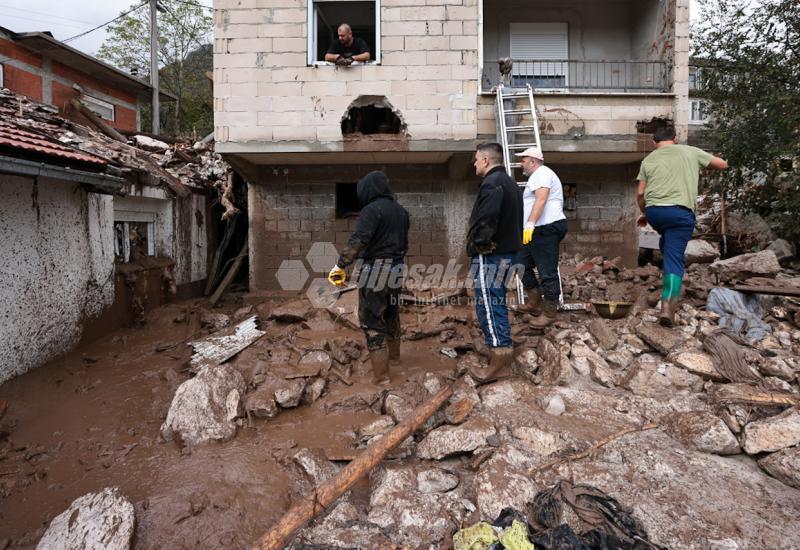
pixel 36 65
pixel 302 131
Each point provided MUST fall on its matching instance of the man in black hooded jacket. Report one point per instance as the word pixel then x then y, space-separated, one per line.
pixel 380 241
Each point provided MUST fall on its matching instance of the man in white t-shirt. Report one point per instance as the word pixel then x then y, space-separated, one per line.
pixel 544 227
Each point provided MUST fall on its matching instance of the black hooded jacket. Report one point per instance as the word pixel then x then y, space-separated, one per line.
pixel 495 225
pixel 382 229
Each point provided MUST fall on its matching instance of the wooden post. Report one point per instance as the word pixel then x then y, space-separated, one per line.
pixel 723 224
pixel 97 121
pixel 327 493
pixel 232 271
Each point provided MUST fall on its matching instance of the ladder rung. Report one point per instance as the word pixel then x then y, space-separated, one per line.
pixel 522 145
pixel 522 183
pixel 514 165
pixel 519 128
pixel 518 111
pixel 516 94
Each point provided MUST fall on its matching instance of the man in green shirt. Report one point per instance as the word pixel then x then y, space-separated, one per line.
pixel 667 198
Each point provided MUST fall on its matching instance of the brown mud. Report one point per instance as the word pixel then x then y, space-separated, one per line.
pixel 91 419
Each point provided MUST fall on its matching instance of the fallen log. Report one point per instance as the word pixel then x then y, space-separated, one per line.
pixel 748 394
pixel 326 493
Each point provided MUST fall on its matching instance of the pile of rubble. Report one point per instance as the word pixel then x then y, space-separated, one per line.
pixel 139 159
pixel 694 429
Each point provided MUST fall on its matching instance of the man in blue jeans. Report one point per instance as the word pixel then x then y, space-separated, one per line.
pixel 667 198
pixel 494 237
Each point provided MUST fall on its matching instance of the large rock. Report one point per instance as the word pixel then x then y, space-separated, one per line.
pixel 696 362
pixel 773 433
pixel 554 365
pixel 260 403
pixel 725 498
pixel 603 334
pixel 449 440
pixel 103 520
pixel 701 252
pixel 701 431
pixel 410 517
pixel 539 441
pixel 505 481
pixel 204 407
pixel 757 264
pixel 291 392
pixel 585 360
pixel 784 466
pixel 784 250
pixel 659 380
pixel 661 338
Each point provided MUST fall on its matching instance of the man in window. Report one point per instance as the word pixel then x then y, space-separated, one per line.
pixel 347 48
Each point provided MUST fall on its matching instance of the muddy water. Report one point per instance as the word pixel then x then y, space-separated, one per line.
pixel 91 419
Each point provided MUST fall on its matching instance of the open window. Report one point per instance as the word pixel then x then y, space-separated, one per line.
pixel 134 235
pixel 347 204
pixel 540 52
pixel 325 16
pixel 697 112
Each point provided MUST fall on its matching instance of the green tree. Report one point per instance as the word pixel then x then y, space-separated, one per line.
pixel 750 78
pixel 184 29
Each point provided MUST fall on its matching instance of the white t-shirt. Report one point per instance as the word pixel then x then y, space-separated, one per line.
pixel 554 207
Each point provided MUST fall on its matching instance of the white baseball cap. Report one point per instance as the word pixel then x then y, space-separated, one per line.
pixel 533 152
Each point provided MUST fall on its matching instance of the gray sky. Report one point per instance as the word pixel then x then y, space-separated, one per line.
pixel 66 18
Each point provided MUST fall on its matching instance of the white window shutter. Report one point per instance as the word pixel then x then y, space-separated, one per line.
pixel 539 41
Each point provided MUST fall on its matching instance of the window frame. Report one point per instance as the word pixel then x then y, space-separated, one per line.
pixel 311 35
pixel 126 218
pixel 91 101
pixel 700 109
pixel 2 77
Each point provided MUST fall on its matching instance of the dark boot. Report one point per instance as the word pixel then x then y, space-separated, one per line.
pixel 380 366
pixel 533 303
pixel 668 309
pixel 548 315
pixel 499 366
pixel 394 351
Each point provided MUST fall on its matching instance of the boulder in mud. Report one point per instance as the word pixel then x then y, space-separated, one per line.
pixel 450 440
pixel 261 404
pixel 696 362
pixel 784 466
pixel 701 431
pixel 601 332
pixel 103 520
pixel 204 405
pixel 290 394
pixel 659 380
pixel 773 433
pixel 757 264
pixel 699 251
pixel 436 480
pixel 661 338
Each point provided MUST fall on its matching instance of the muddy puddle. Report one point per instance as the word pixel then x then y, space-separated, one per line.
pixel 91 420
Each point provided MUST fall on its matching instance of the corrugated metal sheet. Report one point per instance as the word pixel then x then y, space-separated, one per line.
pixel 224 344
pixel 23 140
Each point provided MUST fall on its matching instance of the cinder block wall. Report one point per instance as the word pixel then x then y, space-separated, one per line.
pixel 264 92
pixel 291 210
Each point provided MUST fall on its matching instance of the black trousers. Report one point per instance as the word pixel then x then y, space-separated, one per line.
pixel 379 301
pixel 542 254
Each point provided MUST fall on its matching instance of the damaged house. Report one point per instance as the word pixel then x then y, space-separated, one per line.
pixel 95 231
pixel 303 131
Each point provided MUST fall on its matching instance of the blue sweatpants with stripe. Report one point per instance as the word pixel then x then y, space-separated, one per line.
pixel 675 224
pixel 489 276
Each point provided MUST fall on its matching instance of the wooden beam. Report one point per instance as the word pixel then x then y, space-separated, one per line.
pixel 97 121
pixel 327 492
pixel 772 290
pixel 234 269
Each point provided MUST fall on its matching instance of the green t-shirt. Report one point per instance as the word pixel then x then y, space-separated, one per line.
pixel 672 173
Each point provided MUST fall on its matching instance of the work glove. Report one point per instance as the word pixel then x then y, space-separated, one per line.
pixel 527 233
pixel 337 276
pixel 341 60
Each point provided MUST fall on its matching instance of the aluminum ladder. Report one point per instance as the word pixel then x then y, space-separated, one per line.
pixel 517 125
pixel 516 135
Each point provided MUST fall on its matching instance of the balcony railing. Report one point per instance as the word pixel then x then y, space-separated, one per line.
pixel 582 76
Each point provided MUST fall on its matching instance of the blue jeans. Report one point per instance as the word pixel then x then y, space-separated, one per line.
pixel 675 224
pixel 489 276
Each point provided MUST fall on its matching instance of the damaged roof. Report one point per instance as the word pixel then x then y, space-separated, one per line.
pixel 33 133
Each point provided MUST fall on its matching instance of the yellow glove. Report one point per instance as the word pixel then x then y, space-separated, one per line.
pixel 527 233
pixel 337 276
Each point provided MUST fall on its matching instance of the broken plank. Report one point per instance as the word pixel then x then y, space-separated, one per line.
pixel 234 269
pixel 224 344
pixel 97 121
pixel 771 290
pixel 748 394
